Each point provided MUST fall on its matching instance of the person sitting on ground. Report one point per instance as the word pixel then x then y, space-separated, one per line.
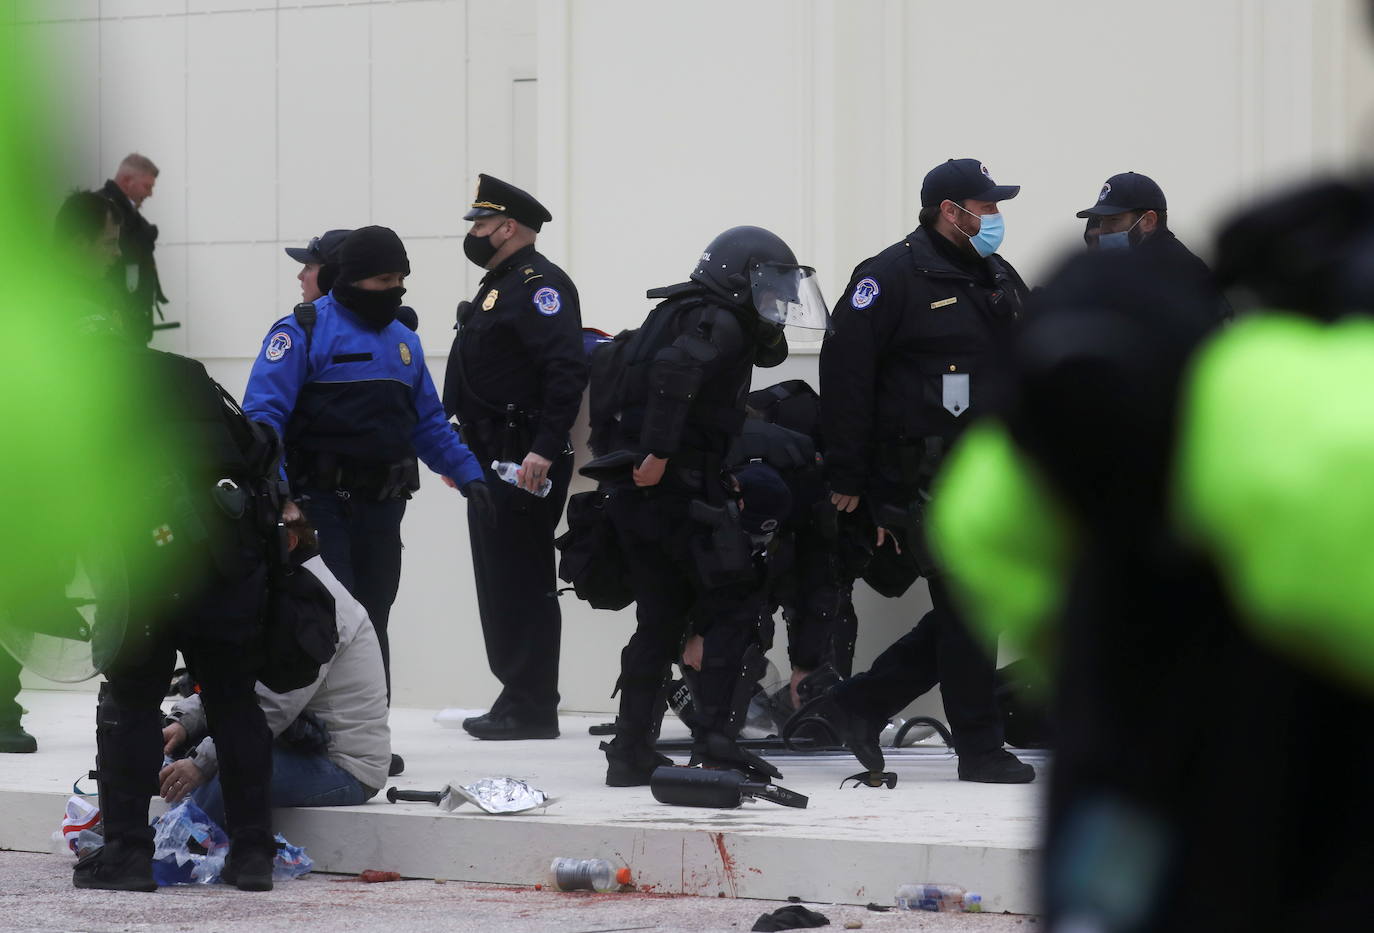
pixel 333 743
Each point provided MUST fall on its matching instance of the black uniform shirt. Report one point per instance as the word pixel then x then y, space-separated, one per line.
pixel 137 238
pixel 521 344
pixel 914 328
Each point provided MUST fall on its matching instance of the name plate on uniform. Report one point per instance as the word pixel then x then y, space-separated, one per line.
pixel 955 386
pixel 943 303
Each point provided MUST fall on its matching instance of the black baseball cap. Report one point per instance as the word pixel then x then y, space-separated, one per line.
pixel 1129 191
pixel 495 196
pixel 321 249
pixel 961 179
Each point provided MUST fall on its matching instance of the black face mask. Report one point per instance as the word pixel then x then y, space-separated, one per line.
pixel 377 309
pixel 479 249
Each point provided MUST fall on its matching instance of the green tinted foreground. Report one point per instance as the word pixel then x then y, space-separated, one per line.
pixel 71 464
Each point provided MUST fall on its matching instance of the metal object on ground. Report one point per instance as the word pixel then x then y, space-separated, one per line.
pixel 701 787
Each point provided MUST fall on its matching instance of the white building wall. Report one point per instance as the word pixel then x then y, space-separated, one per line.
pixel 648 126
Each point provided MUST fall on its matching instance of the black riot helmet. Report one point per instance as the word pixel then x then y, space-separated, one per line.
pixel 751 267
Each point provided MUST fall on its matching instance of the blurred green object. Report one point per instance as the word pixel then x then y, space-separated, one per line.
pixel 1275 482
pixel 1004 541
pixel 72 466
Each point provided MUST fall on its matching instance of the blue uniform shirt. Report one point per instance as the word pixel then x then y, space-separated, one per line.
pixel 362 394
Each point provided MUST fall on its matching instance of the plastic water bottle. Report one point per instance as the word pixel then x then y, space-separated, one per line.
pixel 587 874
pixel 507 471
pixel 938 897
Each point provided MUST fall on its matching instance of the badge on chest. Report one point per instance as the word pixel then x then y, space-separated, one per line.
pixel 490 301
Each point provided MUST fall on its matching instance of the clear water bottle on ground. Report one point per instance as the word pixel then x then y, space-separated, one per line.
pixel 938 897
pixel 587 874
pixel 507 469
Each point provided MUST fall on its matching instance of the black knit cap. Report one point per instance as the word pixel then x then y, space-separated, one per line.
pixel 370 251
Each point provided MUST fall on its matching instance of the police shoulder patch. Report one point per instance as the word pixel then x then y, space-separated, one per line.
pixel 405 354
pixel 277 345
pixel 864 292
pixel 548 301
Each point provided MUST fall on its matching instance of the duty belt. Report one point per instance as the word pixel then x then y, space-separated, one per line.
pixel 369 480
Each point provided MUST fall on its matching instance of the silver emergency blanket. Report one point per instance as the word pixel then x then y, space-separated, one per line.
pixel 495 795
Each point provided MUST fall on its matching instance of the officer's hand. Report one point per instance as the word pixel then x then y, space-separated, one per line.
pixel 479 494
pixel 533 471
pixel 173 737
pixel 180 778
pixel 691 652
pixel 650 472
pixel 885 535
pixel 798 675
pixel 448 481
pixel 844 503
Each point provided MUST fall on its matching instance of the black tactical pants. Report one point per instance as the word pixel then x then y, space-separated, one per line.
pixel 514 569
pixel 655 534
pixel 360 541
pixel 939 650
pixel 129 732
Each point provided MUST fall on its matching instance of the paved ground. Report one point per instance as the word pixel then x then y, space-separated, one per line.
pixel 36 894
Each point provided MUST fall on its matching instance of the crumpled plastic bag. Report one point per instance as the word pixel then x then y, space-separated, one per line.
pixel 190 848
pixel 81 829
pixel 495 795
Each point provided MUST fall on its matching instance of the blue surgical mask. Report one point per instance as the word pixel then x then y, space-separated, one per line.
pixel 991 229
pixel 1121 240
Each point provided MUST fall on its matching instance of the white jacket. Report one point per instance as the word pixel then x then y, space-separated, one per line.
pixel 349 697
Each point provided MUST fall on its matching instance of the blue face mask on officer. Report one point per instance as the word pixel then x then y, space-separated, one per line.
pixel 991 230
pixel 1119 240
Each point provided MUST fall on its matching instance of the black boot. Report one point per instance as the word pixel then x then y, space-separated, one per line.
pixel 118 865
pixel 995 766
pixel 630 756
pixel 15 740
pixel 249 865
pixel 860 734
pixel 128 742
pixel 721 695
pixel 717 750
pixel 630 763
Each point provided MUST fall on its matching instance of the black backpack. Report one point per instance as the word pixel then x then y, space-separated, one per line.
pixel 216 550
pixel 619 369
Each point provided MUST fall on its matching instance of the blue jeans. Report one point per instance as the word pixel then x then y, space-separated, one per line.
pixel 298 780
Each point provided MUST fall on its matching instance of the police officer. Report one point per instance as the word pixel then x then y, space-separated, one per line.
pixel 136 277
pixel 319 261
pixel 914 337
pixel 206 500
pixel 515 379
pixel 678 526
pixel 1132 213
pixel 346 386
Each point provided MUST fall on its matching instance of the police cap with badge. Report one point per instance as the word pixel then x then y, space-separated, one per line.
pixel 496 197
pixel 1128 191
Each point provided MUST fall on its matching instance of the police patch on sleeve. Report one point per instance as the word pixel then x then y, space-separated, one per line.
pixel 864 293
pixel 277 345
pixel 548 301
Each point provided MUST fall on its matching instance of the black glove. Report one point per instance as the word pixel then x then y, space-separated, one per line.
pixel 479 495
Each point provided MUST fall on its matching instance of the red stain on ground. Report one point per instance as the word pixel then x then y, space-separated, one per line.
pixel 727 861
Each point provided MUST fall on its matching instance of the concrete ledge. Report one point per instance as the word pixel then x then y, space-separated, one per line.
pixel 849 846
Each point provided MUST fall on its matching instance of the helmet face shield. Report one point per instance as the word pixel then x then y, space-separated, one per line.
pixel 790 296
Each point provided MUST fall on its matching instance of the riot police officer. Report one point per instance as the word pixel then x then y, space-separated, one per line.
pixel 685 375
pixel 515 379
pixel 346 385
pixel 900 377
